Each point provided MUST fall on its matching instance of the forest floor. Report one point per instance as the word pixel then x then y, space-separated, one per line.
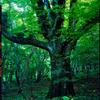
pixel 39 90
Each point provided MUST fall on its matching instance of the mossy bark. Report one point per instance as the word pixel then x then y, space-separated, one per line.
pixel 60 73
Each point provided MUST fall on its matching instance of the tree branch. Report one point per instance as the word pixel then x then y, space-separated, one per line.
pixel 72 21
pixel 54 2
pixel 58 20
pixel 61 2
pixel 71 3
pixel 89 24
pixel 41 13
pixel 84 29
pixel 29 41
pixel 48 8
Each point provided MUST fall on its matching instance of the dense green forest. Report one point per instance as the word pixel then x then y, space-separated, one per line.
pixel 50 49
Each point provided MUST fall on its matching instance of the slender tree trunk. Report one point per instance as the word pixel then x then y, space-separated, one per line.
pixel 72 71
pixel 3 87
pixel 25 69
pixel 3 64
pixel 38 76
pixel 83 68
pixel 17 70
pixel 10 77
pixel 28 75
pixel 17 78
pixel 40 65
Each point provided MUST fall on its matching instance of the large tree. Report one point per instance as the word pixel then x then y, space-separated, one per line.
pixel 62 23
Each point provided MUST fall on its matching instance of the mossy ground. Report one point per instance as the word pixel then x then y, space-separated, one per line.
pixel 40 90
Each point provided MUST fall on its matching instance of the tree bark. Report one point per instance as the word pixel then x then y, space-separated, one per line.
pixel 17 68
pixel 25 69
pixel 17 78
pixel 61 84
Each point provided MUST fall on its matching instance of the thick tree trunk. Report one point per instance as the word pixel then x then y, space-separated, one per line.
pixel 60 73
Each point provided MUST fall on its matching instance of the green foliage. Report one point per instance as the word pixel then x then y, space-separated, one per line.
pixel 30 36
pixel 25 24
pixel 87 47
pixel 5 22
pixel 65 98
pixel 57 98
pixel 21 35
